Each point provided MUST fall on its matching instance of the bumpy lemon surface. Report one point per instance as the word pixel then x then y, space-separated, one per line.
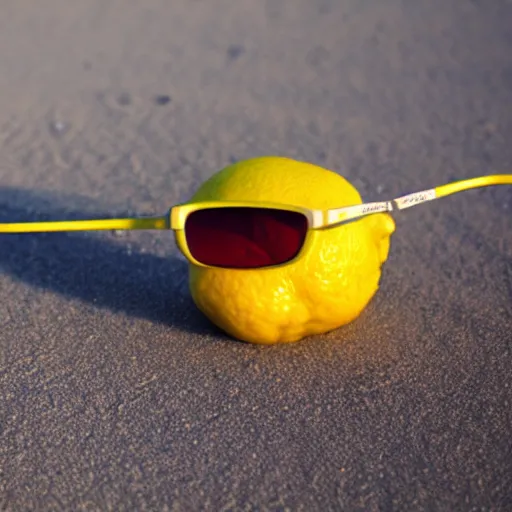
pixel 325 289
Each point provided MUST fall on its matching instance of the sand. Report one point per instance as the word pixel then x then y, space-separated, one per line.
pixel 116 393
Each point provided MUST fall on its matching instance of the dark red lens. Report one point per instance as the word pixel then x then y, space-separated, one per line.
pixel 242 237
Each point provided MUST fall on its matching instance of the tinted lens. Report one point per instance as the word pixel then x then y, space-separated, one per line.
pixel 245 237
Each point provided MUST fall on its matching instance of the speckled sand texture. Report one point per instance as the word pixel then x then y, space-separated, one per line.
pixel 116 394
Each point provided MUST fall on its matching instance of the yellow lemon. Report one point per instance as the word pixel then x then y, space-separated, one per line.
pixel 328 287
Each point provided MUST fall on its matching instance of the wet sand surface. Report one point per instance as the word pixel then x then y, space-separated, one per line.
pixel 116 393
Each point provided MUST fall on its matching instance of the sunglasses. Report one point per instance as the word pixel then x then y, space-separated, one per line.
pixel 251 235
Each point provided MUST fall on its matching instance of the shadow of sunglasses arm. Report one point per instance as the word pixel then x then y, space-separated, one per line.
pixel 340 215
pixel 161 222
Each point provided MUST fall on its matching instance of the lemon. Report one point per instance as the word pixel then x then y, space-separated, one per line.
pixel 325 289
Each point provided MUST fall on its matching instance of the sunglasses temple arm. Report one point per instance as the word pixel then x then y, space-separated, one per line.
pixel 161 222
pixel 339 215
pixel 451 188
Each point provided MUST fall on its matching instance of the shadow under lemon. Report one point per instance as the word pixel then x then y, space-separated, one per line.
pixel 91 268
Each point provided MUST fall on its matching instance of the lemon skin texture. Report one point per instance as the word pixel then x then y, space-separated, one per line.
pixel 328 287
